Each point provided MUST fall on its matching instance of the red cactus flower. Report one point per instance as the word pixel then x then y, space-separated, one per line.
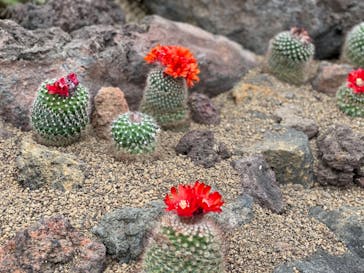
pixel 177 60
pixel 191 200
pixel 356 81
pixel 63 86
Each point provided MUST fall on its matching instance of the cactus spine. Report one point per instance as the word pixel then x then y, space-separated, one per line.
pixel 59 119
pixel 349 102
pixel 289 55
pixel 165 99
pixel 354 46
pixel 184 245
pixel 135 133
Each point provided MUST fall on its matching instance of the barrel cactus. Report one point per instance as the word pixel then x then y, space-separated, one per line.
pixel 135 133
pixel 60 111
pixel 187 241
pixel 289 55
pixel 353 50
pixel 350 96
pixel 165 95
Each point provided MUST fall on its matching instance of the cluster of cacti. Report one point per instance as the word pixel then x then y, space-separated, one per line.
pixel 350 96
pixel 165 95
pixel 289 55
pixel 187 242
pixel 60 111
pixel 135 133
pixel 353 49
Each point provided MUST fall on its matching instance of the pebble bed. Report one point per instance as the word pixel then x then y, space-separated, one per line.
pixel 259 246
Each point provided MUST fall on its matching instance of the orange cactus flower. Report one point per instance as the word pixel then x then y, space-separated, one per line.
pixel 177 60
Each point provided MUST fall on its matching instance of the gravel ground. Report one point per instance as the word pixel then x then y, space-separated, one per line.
pixel 267 241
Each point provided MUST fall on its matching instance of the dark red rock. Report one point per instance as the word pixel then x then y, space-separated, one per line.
pixel 202 109
pixel 48 245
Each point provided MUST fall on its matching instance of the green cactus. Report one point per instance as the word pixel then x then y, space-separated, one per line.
pixel 60 120
pixel 354 46
pixel 191 245
pixel 349 102
pixel 165 98
pixel 289 55
pixel 135 133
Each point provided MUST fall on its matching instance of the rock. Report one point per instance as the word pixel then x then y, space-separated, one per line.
pixel 49 246
pixel 290 116
pixel 107 56
pixel 39 166
pixel 201 148
pixel 341 149
pixel 69 15
pixel 289 155
pixel 341 152
pixel 124 231
pixel 202 109
pixel 347 223
pixel 109 104
pixel 235 214
pixel 259 181
pixel 330 77
pixel 322 262
pixel 253 23
pixel 4 134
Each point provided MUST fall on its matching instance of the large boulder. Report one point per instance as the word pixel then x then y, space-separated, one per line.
pixel 69 15
pixel 252 23
pixel 107 56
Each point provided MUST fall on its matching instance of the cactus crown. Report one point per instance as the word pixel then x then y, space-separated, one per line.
pixel 135 133
pixel 296 45
pixel 185 241
pixel 60 111
pixel 350 96
pixel 354 45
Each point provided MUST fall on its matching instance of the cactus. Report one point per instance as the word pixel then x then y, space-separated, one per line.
pixel 60 111
pixel 135 133
pixel 165 95
pixel 187 242
pixel 350 97
pixel 289 55
pixel 354 46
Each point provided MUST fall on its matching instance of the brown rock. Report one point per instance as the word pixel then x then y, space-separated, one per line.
pixel 49 244
pixel 202 109
pixel 330 77
pixel 109 104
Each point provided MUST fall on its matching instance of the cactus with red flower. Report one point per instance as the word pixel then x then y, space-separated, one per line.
pixel 60 111
pixel 289 55
pixel 353 50
pixel 186 241
pixel 165 95
pixel 350 96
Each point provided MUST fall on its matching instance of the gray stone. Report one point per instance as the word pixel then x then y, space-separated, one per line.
pixel 322 262
pixel 107 56
pixel 124 231
pixel 201 148
pixel 259 181
pixel 202 110
pixel 235 214
pixel 328 176
pixel 291 116
pixel 69 15
pixel 39 166
pixel 347 223
pixel 330 77
pixel 253 23
pixel 289 155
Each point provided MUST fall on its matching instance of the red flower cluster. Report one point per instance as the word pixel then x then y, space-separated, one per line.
pixel 191 200
pixel 356 81
pixel 64 85
pixel 178 62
